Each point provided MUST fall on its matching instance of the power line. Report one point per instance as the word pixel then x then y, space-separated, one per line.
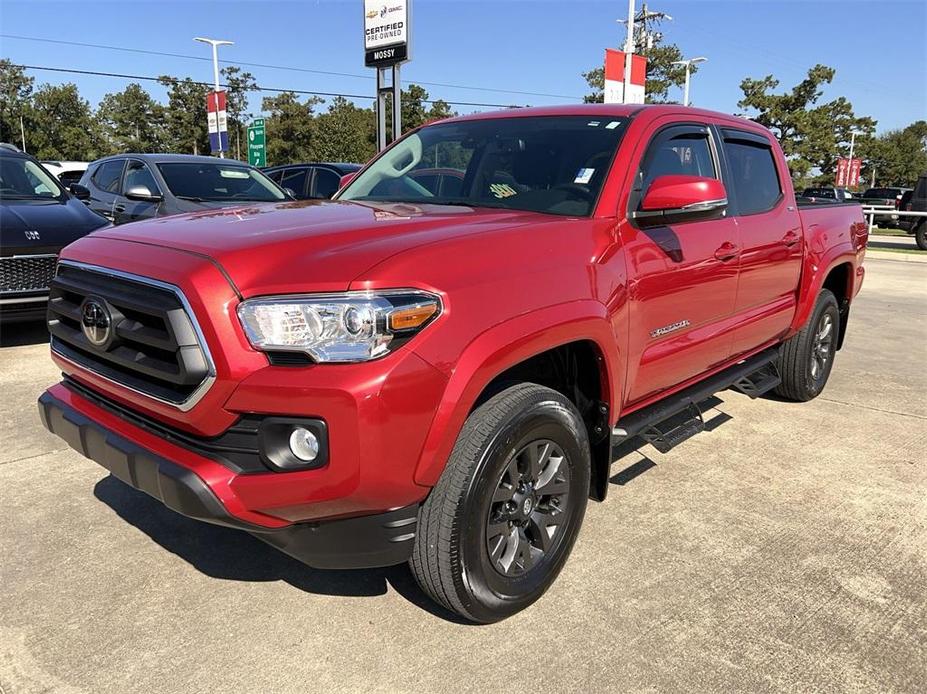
pixel 148 78
pixel 330 73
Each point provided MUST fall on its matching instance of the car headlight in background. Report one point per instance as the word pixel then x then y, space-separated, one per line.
pixel 348 327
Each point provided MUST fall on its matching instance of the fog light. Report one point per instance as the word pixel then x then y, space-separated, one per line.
pixel 304 444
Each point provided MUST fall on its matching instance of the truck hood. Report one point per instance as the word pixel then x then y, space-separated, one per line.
pixel 311 245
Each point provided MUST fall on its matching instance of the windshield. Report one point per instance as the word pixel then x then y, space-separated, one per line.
pixel 208 182
pixel 23 179
pixel 550 164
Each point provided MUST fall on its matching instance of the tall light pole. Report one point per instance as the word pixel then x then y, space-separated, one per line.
pixel 689 63
pixel 215 43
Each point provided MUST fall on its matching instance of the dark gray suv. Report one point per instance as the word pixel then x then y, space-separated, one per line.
pixel 128 187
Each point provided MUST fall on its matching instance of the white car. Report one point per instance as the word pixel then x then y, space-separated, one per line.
pixel 67 172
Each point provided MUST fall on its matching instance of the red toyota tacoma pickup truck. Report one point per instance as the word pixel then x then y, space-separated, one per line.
pixel 436 369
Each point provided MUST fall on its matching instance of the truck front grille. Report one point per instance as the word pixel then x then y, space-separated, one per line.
pixel 26 273
pixel 131 330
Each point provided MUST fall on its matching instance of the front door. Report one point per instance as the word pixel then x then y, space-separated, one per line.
pixel 125 209
pixel 683 275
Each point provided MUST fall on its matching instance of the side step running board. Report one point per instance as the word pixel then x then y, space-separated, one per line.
pixel 669 422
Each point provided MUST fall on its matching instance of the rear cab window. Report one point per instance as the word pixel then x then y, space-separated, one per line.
pixel 753 172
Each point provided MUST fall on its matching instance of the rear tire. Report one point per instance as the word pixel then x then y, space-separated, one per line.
pixel 920 236
pixel 806 358
pixel 499 525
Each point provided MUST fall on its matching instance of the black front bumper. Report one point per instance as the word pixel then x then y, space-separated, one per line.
pixel 382 539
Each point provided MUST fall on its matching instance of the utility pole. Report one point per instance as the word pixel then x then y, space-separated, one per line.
pixel 215 43
pixel 688 63
pixel 639 38
pixel 22 132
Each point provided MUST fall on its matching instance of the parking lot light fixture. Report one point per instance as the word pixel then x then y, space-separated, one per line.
pixel 215 43
pixel 689 63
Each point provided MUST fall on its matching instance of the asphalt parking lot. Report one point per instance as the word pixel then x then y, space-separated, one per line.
pixel 784 549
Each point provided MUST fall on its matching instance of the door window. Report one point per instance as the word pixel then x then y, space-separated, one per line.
pixel 295 180
pixel 753 176
pixel 326 183
pixel 107 175
pixel 682 154
pixel 138 174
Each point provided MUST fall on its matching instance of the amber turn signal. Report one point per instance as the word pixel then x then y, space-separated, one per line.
pixel 414 317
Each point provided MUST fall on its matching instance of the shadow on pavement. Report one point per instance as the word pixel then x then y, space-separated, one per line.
pixel 19 334
pixel 234 555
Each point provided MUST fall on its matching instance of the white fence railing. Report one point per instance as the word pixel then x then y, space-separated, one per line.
pixel 870 212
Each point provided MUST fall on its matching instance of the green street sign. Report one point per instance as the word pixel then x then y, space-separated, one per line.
pixel 257 150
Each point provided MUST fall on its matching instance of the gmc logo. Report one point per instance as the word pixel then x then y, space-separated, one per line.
pixel 32 235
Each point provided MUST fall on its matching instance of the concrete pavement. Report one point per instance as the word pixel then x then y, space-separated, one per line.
pixel 786 549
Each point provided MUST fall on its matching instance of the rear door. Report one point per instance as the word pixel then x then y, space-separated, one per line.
pixel 136 174
pixel 296 179
pixel 683 276
pixel 771 238
pixel 325 183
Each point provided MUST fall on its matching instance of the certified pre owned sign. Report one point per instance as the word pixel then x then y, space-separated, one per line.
pixel 386 32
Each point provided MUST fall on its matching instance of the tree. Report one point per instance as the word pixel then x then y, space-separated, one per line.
pixel 134 122
pixel 15 92
pixel 344 133
pixel 185 130
pixel 238 85
pixel 60 125
pixel 813 135
pixel 290 127
pixel 896 157
pixel 413 110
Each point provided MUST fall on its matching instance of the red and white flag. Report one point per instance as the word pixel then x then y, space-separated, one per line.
pixel 614 78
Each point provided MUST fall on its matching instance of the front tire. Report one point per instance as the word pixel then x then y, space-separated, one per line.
pixel 806 358
pixel 499 525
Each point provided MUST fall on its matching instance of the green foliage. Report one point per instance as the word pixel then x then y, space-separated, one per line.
pixel 185 130
pixel 15 92
pixel 133 121
pixel 291 128
pixel 896 157
pixel 661 74
pixel 60 125
pixel 344 133
pixel 813 135
pixel 414 112
pixel 238 85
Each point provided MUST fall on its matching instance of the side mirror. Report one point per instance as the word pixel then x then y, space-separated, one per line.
pixel 680 198
pixel 290 192
pixel 347 178
pixel 80 192
pixel 143 194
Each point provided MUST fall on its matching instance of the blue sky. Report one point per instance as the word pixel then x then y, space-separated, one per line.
pixel 877 46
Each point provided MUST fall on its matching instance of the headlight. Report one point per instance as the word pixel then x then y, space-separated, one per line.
pixel 353 326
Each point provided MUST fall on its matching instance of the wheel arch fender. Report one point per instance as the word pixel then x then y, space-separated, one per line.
pixel 506 345
pixel 835 271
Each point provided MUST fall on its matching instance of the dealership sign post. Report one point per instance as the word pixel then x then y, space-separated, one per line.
pixel 386 45
pixel 257 149
pixel 217 121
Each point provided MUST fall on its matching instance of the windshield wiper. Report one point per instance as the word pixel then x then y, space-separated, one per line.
pixel 192 198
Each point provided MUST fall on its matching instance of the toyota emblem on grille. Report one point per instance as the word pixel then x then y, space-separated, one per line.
pixel 96 322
